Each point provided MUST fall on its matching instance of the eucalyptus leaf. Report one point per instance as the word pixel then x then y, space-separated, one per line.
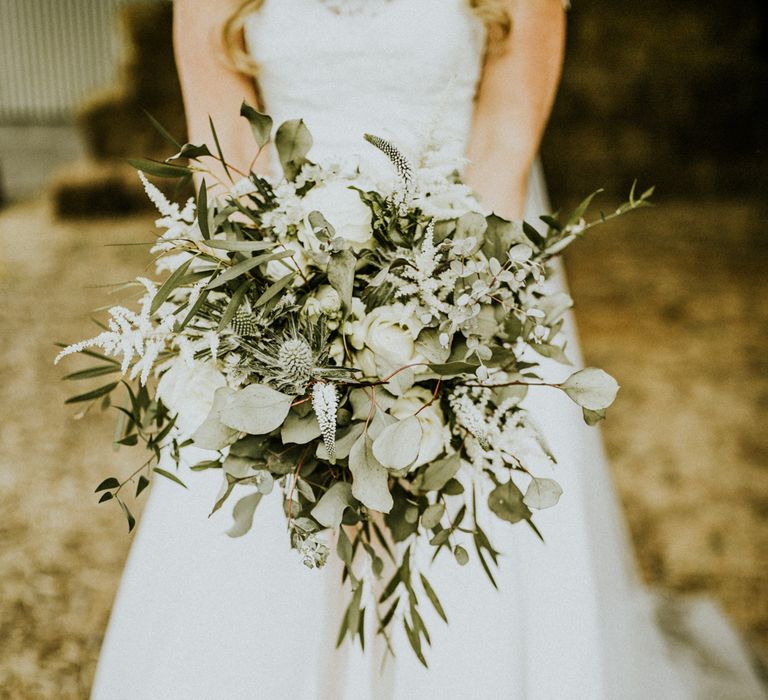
pixel 553 352
pixel 242 514
pixel 233 305
pixel 93 394
pixel 212 434
pixel 370 479
pixel 341 275
pixel 542 493
pixel 461 554
pixel 428 346
pixel 437 474
pixel 257 409
pixel 261 124
pixel 506 501
pixel 433 597
pixel 202 211
pixel 591 388
pixel 292 142
pixel 299 430
pixel 453 369
pixel 331 506
pixel 432 515
pixel 593 417
pixel 397 446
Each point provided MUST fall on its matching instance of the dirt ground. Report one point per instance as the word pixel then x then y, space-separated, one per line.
pixel 672 301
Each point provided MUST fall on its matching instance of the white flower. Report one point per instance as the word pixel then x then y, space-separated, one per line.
pixel 435 436
pixel 325 402
pixel 343 209
pixel 390 333
pixel 187 390
pixel 443 200
pixel 325 301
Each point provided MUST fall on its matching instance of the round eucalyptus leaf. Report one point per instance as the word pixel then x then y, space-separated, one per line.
pixel 462 557
pixel 397 446
pixel 330 508
pixel 591 388
pixel 432 515
pixel 256 410
pixel 506 501
pixel 542 493
pixel 212 434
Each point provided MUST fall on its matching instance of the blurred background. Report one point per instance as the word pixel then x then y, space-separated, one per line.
pixel 673 301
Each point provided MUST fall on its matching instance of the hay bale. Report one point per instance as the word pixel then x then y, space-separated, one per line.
pixel 96 189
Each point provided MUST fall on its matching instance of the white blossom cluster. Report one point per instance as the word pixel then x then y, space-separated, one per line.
pixel 179 223
pixel 497 437
pixel 138 338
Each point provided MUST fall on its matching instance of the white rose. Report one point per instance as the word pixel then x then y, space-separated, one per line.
pixel 390 333
pixel 435 436
pixel 187 390
pixel 343 209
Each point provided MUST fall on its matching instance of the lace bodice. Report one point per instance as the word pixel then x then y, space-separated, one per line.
pixel 406 70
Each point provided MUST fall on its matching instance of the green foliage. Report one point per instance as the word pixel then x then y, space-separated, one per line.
pixel 293 142
pixel 369 477
pixel 261 124
pixel 257 409
pixel 591 388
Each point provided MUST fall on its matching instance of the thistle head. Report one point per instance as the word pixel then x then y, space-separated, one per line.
pixel 244 324
pixel 296 359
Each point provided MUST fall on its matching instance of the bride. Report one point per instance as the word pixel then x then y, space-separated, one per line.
pixel 199 615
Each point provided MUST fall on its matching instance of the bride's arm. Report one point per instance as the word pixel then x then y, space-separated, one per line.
pixel 515 98
pixel 209 85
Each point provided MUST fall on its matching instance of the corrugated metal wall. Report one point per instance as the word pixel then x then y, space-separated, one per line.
pixel 52 53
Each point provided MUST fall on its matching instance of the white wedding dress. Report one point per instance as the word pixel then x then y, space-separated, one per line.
pixel 201 616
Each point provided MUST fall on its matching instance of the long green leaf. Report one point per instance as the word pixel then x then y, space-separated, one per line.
pixel 202 210
pixel 169 285
pixel 169 475
pixel 218 149
pixel 433 597
pixel 94 394
pixel 275 288
pixel 241 246
pixel 161 130
pixel 244 266
pixel 195 308
pixel 92 372
pixel 153 167
pixel 233 305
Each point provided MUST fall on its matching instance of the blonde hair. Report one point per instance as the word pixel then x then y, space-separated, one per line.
pixel 492 12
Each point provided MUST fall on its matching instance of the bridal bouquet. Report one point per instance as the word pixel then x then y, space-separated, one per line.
pixel 361 348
